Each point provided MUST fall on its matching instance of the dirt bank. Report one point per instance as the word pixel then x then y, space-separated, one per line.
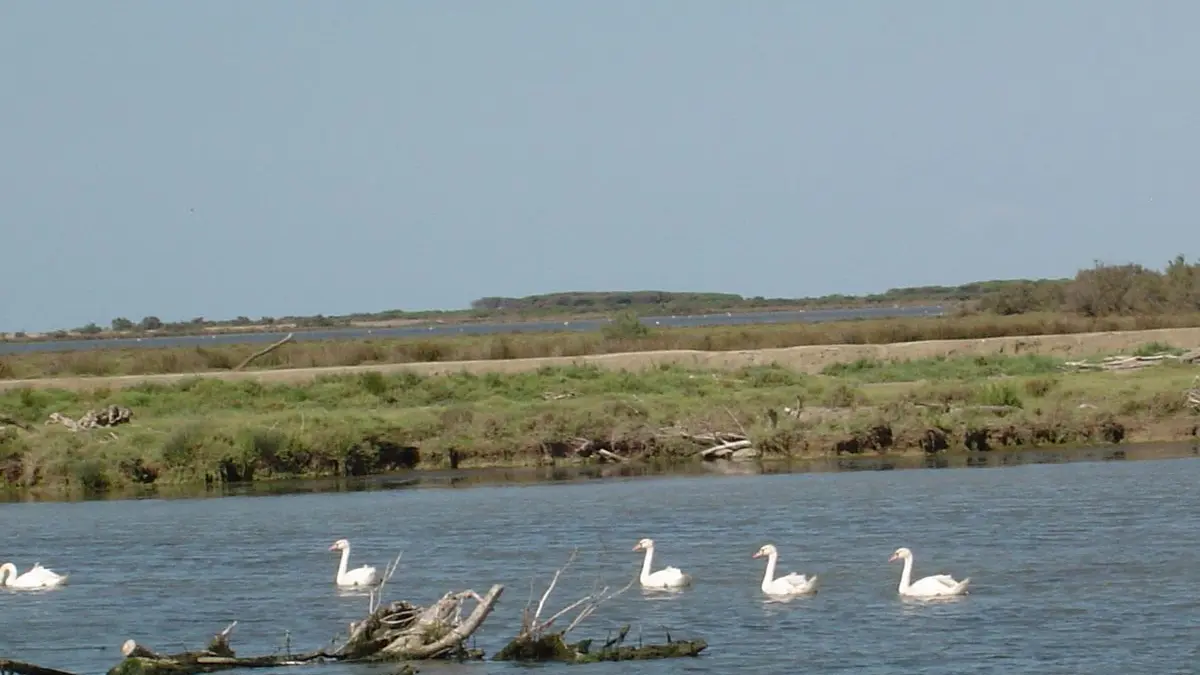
pixel 809 358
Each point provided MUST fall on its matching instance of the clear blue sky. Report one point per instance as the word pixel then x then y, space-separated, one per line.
pixel 275 157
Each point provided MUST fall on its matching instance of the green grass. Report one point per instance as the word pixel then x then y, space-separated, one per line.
pixel 209 430
pixel 944 368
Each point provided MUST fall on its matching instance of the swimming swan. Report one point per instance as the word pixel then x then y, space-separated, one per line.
pixel 931 586
pixel 361 576
pixel 667 577
pixel 36 577
pixel 790 584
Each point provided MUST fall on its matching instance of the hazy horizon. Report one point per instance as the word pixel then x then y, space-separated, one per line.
pixel 297 158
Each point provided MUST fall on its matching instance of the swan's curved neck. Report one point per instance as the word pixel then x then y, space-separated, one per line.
pixel 8 572
pixel 646 563
pixel 341 570
pixel 769 575
pixel 906 575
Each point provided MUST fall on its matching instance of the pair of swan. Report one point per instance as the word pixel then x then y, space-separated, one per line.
pixel 36 577
pixel 357 577
pixel 936 585
pixel 673 577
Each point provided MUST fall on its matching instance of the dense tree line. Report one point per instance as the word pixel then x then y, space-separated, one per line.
pixel 1104 290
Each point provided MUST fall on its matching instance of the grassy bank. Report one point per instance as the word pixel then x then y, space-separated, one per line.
pixel 344 353
pixel 205 429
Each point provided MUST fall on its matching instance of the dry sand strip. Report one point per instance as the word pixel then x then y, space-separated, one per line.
pixel 808 358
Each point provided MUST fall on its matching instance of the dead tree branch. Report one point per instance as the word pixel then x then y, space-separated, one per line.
pixel 263 352
pixel 535 642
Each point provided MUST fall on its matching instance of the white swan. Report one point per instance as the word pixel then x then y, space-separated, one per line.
pixel 360 576
pixel 790 584
pixel 667 577
pixel 935 585
pixel 36 577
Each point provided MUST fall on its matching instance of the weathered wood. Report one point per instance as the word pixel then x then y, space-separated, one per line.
pixel 401 631
pixel 263 352
pixel 724 450
pixel 110 416
pixel 11 667
pixel 1124 362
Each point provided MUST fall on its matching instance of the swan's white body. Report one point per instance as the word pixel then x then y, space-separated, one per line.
pixel 936 585
pixel 36 577
pixel 360 576
pixel 789 584
pixel 667 577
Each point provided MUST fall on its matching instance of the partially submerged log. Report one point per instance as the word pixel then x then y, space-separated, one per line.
pixel 552 647
pixel 218 655
pixel 536 643
pixel 11 667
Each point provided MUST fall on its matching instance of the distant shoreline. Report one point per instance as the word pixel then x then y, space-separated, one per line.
pixel 500 320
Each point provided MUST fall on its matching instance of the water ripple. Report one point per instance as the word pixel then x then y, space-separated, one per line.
pixel 1075 567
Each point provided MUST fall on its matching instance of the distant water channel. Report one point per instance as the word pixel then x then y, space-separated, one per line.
pixel 1077 566
pixel 444 330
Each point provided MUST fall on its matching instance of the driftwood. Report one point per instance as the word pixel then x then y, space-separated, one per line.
pixel 1192 396
pixel 720 445
pixel 111 416
pixel 218 655
pixel 588 448
pixel 263 352
pixel 402 631
pixel 399 631
pixel 1123 362
pixel 536 643
pixel 11 667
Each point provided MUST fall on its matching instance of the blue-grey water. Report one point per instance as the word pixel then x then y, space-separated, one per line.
pixel 1086 567
pixel 441 330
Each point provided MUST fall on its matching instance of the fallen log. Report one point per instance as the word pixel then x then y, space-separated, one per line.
pixel 729 450
pixel 1125 362
pixel 11 667
pixel 217 656
pixel 553 647
pixel 535 643
pixel 587 448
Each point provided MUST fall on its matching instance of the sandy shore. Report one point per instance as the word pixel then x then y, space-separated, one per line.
pixel 809 358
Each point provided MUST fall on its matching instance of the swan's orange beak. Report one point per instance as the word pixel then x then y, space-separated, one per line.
pixel 757 554
pixel 333 547
pixel 637 547
pixel 893 557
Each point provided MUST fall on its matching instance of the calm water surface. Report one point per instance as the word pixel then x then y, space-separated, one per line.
pixel 1077 568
